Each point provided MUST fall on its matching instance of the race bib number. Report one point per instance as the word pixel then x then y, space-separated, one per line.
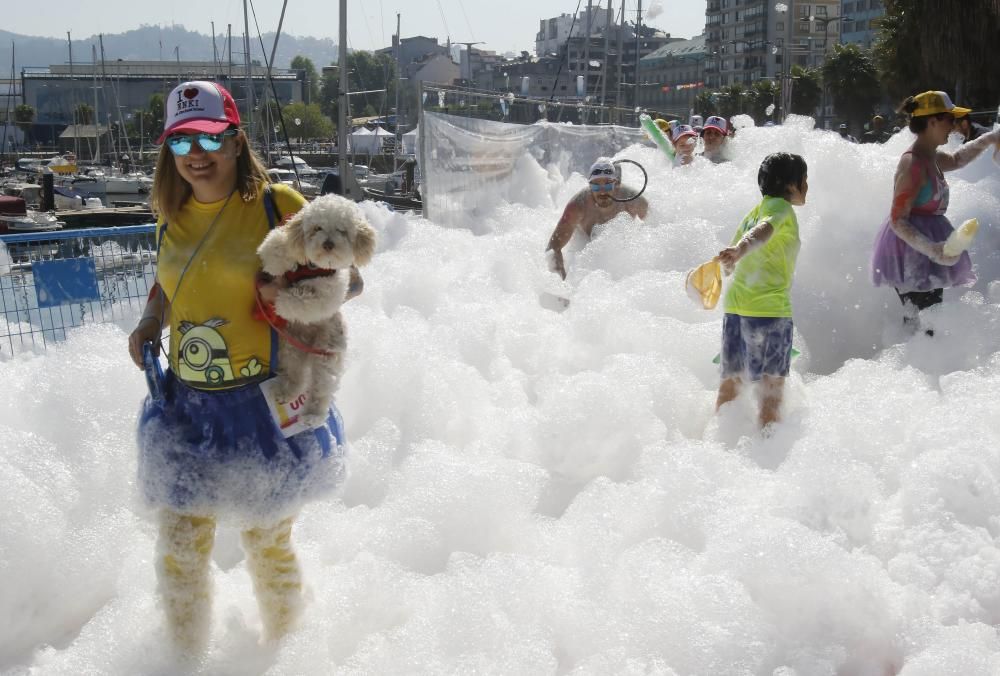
pixel 285 414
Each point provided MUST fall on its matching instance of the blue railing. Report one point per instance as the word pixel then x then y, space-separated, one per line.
pixel 51 282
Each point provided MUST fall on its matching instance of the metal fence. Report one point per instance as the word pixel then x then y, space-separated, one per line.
pixel 53 281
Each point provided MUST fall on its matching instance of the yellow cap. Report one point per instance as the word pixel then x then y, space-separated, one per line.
pixel 935 103
pixel 664 125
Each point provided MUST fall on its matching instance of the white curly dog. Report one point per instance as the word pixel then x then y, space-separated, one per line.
pixel 311 257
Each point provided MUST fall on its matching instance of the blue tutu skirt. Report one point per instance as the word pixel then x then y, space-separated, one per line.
pixel 221 454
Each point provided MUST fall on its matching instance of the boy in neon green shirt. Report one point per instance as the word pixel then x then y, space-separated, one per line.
pixel 757 327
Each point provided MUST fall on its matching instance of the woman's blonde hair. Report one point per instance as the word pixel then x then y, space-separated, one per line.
pixel 170 190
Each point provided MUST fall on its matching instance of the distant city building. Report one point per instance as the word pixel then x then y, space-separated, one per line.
pixel 671 77
pixel 413 49
pixel 438 68
pixel 124 87
pixel 538 74
pixel 601 68
pixel 553 33
pixel 10 97
pixel 11 137
pixel 477 67
pixel 753 40
pixel 860 25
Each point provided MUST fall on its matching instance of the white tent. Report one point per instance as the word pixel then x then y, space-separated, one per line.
pixel 369 142
pixel 410 141
pixel 362 141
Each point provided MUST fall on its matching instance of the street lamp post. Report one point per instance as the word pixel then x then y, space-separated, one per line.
pixel 826 47
pixel 786 101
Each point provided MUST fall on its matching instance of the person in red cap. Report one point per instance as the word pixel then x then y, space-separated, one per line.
pixel 211 446
pixel 713 136
pixel 909 248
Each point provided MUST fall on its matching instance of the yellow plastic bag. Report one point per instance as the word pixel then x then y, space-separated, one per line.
pixel 704 283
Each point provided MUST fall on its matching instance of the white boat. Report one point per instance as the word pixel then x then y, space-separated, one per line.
pixel 296 163
pixel 287 177
pixel 15 217
pixel 30 192
pixel 67 199
pixel 96 183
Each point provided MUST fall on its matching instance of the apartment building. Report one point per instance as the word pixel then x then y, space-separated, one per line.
pixel 860 22
pixel 553 33
pixel 748 40
pixel 671 77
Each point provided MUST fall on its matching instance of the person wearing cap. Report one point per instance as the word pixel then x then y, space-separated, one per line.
pixel 209 449
pixel 714 135
pixel 757 326
pixel 909 248
pixel 684 139
pixel 845 134
pixel 876 132
pixel 596 204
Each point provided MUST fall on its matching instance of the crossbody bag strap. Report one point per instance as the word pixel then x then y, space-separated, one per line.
pixel 273 219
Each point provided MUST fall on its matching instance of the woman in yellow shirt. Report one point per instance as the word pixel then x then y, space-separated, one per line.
pixel 210 448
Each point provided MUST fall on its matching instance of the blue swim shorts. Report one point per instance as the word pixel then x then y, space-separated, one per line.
pixel 219 453
pixel 756 346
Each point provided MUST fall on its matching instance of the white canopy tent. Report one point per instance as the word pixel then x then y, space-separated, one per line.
pixel 368 142
pixel 410 141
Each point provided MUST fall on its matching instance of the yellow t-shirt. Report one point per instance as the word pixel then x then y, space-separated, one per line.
pixel 215 343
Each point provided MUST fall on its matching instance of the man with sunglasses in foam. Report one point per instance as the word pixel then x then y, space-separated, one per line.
pixel 594 205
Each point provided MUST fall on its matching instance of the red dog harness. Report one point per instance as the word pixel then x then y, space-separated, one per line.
pixel 266 312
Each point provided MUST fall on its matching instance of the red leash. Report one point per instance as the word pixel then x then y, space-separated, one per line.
pixel 267 313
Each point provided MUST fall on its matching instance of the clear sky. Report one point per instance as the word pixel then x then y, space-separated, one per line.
pixel 504 25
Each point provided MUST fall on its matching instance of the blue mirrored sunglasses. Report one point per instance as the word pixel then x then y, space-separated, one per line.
pixel 180 144
pixel 602 187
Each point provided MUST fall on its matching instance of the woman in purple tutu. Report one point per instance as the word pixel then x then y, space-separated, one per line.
pixel 909 253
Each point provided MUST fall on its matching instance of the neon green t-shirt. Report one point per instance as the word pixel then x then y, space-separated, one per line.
pixel 215 343
pixel 762 282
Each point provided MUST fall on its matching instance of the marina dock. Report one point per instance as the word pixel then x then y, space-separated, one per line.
pixel 106 217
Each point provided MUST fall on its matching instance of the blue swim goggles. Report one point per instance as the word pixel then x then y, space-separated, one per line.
pixel 180 144
pixel 602 187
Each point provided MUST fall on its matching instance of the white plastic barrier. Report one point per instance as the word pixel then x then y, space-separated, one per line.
pixel 468 164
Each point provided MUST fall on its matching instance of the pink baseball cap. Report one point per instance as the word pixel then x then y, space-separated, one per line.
pixel 680 131
pixel 717 123
pixel 198 106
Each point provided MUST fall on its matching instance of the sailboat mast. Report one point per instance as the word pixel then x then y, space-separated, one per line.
pixel 608 19
pixel 621 57
pixel 10 97
pixel 97 123
pixel 246 60
pixel 638 31
pixel 72 81
pixel 215 53
pixel 349 187
pixel 399 135
pixel 229 46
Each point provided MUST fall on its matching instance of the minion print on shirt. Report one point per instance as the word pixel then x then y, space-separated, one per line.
pixel 202 353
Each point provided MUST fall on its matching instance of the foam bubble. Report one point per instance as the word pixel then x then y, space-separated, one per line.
pixel 539 491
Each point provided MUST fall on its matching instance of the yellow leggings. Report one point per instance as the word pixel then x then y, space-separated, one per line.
pixel 183 560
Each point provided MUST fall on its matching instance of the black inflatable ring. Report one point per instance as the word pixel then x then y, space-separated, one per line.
pixel 645 181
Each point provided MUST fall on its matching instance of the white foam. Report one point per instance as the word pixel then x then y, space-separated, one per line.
pixel 535 491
